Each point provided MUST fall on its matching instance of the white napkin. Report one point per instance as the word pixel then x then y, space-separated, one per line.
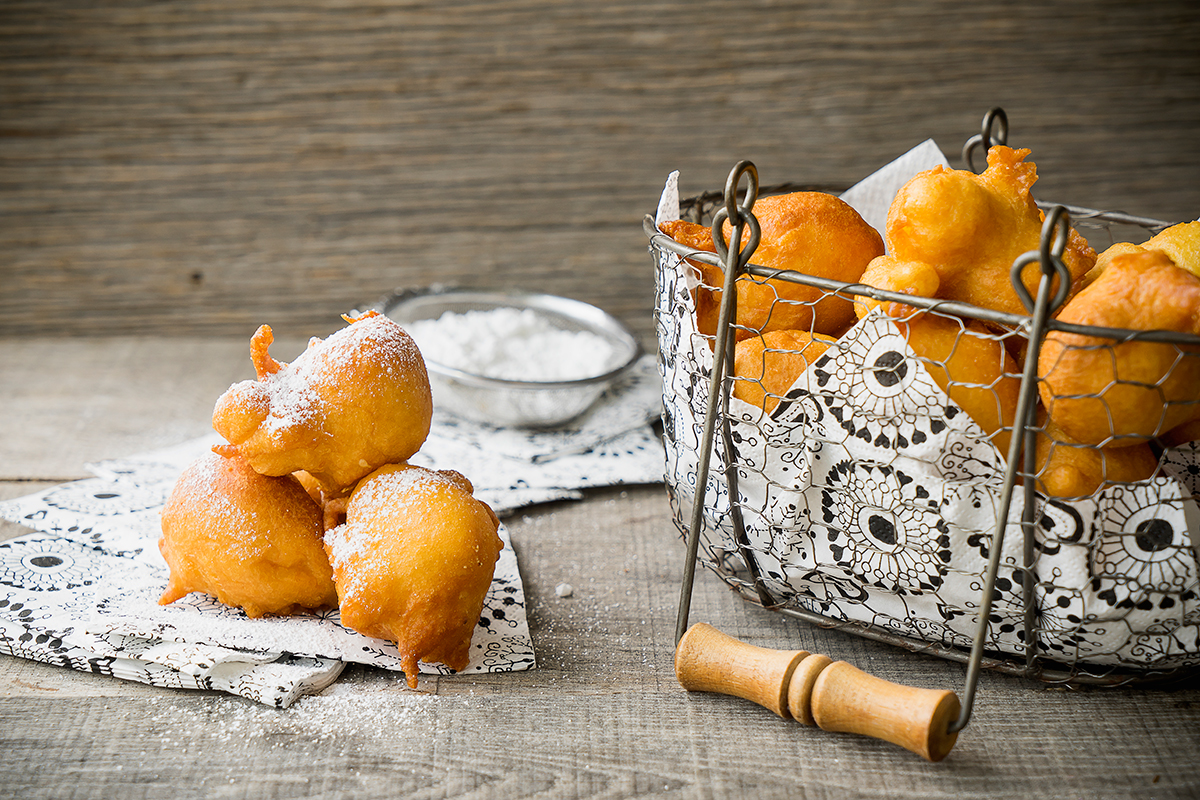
pixel 82 592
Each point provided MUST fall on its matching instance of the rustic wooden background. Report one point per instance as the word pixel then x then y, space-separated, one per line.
pixel 204 166
pixel 173 174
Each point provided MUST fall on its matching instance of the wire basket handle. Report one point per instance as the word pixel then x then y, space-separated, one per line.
pixel 995 131
pixel 1049 256
pixel 816 690
pixel 799 685
pixel 734 258
pixel 1055 230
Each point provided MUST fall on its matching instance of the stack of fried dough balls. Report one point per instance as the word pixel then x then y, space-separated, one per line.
pixel 258 523
pixel 1106 407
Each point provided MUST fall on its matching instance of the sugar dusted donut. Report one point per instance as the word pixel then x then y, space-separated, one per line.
pixel 347 405
pixel 413 563
pixel 247 539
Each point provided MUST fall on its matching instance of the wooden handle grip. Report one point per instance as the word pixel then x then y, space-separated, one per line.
pixel 815 690
pixel 707 660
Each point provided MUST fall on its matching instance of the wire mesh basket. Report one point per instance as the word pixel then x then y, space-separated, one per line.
pixel 863 486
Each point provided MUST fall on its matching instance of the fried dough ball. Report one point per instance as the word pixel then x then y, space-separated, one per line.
pixel 809 232
pixel 247 539
pixel 954 235
pixel 816 234
pixel 707 294
pixel 972 367
pixel 1180 243
pixel 914 278
pixel 413 563
pixel 349 404
pixel 1066 468
pixel 1120 394
pixel 766 366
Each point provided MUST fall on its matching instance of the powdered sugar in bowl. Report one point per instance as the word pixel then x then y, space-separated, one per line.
pixel 514 359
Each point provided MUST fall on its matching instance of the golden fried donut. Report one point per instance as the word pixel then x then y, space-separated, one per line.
pixel 972 366
pixel 766 366
pixel 1066 468
pixel 914 278
pixel 707 294
pixel 1118 395
pixel 247 539
pixel 809 232
pixel 413 563
pixel 816 234
pixel 1180 243
pixel 954 235
pixel 347 405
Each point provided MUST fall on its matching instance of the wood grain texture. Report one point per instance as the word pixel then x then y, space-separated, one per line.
pixel 184 171
pixel 62 407
pixel 602 715
pixel 208 165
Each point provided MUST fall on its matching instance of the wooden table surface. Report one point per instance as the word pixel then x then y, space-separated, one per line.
pixel 174 174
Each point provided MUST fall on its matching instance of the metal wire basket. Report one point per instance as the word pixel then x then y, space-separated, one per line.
pixel 863 497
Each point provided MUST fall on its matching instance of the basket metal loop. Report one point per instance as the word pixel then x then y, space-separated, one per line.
pixel 994 131
pixel 734 258
pixel 738 215
pixel 1055 231
pixel 731 183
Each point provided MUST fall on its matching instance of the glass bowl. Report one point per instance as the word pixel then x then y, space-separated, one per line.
pixel 508 402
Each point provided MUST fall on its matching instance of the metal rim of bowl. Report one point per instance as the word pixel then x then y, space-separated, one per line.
pixel 586 315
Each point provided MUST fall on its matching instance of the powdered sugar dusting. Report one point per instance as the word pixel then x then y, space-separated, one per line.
pixel 200 487
pixel 352 713
pixel 376 340
pixel 409 487
pixel 377 337
pixel 294 402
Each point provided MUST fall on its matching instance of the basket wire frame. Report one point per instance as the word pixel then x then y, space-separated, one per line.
pixel 734 258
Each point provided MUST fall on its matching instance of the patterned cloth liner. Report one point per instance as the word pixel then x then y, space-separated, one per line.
pixel 873 499
pixel 82 592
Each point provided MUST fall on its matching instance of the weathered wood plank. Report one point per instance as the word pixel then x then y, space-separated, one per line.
pixel 601 716
pixel 208 166
pixel 64 406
